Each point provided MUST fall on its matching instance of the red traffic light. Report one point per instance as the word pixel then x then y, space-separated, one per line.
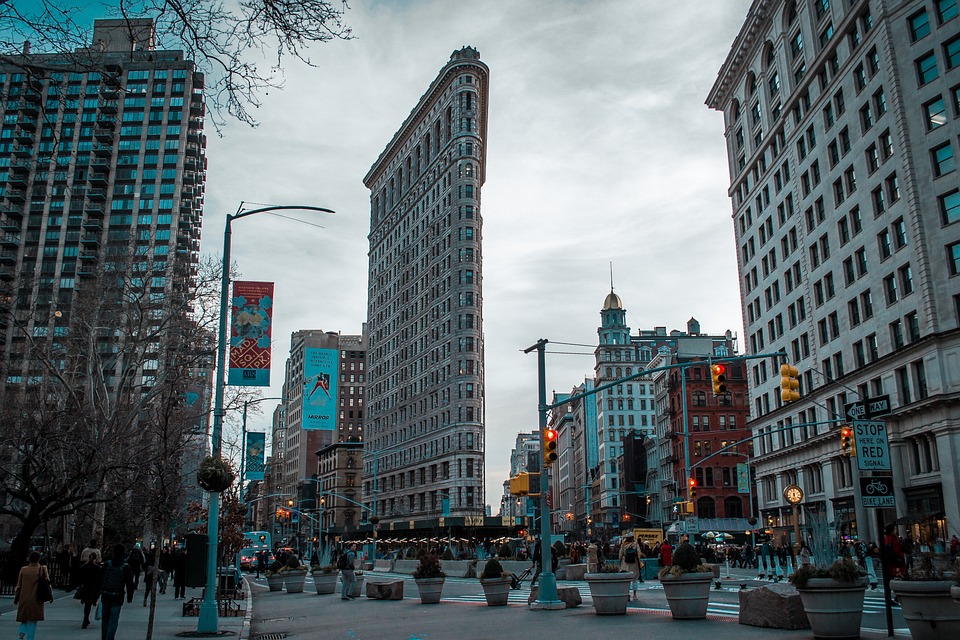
pixel 550 434
pixel 718 369
pixel 693 482
pixel 846 432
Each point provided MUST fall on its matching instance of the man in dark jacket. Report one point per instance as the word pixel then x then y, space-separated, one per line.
pixel 115 583
pixel 135 560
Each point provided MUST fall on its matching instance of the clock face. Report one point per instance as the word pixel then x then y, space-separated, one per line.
pixel 793 494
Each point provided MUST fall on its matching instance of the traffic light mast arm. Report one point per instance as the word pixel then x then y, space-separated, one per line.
pixel 760 435
pixel 647 372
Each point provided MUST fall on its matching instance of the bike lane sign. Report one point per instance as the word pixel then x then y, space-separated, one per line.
pixel 872 447
pixel 877 492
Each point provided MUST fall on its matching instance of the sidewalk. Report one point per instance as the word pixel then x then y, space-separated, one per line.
pixel 64 615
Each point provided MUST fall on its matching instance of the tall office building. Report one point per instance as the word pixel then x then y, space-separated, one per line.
pixel 101 181
pixel 425 393
pixel 323 402
pixel 841 127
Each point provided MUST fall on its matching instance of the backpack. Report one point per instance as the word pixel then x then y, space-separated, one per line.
pixel 630 555
pixel 112 582
pixel 343 562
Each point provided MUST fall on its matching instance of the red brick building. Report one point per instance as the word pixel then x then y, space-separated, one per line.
pixel 714 425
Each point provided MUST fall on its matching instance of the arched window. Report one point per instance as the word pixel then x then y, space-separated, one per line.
pixel 769 55
pixel 751 84
pixel 792 12
pixel 732 507
pixel 706 508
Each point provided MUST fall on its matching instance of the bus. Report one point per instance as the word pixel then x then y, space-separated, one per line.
pixel 253 543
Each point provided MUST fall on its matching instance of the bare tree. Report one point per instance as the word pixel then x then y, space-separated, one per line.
pixel 239 46
pixel 105 414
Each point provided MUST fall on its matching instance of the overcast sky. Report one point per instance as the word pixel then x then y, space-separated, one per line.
pixel 599 149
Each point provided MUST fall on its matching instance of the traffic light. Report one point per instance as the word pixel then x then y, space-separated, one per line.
pixel 846 441
pixel 718 372
pixel 693 488
pixel 688 507
pixel 525 484
pixel 549 447
pixel 789 385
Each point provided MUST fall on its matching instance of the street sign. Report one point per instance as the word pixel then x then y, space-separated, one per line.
pixel 873 451
pixel 869 408
pixel 693 525
pixel 877 492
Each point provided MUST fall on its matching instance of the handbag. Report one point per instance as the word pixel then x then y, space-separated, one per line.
pixel 44 589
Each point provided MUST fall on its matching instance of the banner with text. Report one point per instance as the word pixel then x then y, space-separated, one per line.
pixel 256 446
pixel 251 330
pixel 320 389
pixel 743 478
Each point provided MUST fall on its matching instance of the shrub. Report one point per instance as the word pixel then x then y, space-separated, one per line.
pixel 927 569
pixel 429 567
pixel 686 557
pixel 845 570
pixel 685 560
pixel 608 567
pixel 293 562
pixel 559 549
pixel 492 570
pixel 274 567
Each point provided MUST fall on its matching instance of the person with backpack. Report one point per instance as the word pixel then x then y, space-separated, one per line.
pixel 631 560
pixel 116 582
pixel 346 564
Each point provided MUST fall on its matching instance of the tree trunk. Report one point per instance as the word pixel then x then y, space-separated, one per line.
pixel 20 548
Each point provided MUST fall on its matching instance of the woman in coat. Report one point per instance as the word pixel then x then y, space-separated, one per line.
pixel 88 577
pixel 29 607
pixel 630 551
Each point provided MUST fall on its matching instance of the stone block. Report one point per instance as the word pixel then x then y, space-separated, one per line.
pixel 570 596
pixel 385 590
pixel 776 606
pixel 576 571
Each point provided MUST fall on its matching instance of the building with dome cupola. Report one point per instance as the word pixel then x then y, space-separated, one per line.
pixel 612 472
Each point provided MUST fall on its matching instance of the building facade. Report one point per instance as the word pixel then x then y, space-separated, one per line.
pixel 300 438
pixel 424 451
pixel 841 128
pixel 102 172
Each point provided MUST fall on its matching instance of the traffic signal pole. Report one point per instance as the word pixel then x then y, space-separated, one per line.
pixel 547 598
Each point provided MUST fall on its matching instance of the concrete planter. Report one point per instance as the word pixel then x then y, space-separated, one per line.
pixel 496 591
pixel 326 583
pixel 928 609
pixel 430 589
pixel 609 592
pixel 293 580
pixel 834 609
pixel 688 595
pixel 275 581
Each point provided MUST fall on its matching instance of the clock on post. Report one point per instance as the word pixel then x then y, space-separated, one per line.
pixel 793 494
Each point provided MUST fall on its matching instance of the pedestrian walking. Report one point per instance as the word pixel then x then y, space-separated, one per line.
pixel 164 568
pixel 346 565
pixel 135 560
pixel 666 554
pixel 593 560
pixel 180 574
pixel 149 573
pixel 88 586
pixel 93 547
pixel 261 562
pixel 631 560
pixel 116 583
pixel 26 597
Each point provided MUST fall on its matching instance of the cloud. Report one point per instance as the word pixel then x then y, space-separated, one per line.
pixel 599 150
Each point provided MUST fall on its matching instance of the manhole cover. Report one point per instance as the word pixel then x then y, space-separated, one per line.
pixel 271 636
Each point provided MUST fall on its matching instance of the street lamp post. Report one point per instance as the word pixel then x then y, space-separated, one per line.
pixel 208 619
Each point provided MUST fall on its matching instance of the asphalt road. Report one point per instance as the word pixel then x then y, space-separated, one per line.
pixel 463 615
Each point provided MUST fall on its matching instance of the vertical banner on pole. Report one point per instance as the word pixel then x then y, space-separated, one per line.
pixel 256 443
pixel 250 333
pixel 320 389
pixel 743 478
